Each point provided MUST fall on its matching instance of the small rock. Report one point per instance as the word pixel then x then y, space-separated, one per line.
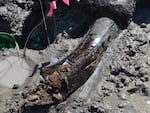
pixel 131 53
pixel 122 96
pixel 137 67
pixel 54 60
pixel 144 91
pixel 16 86
pixel 144 79
pixel 120 105
pixel 6 53
pixel 138 82
pixel 143 25
pixel 58 96
pixel 148 61
pixel 65 35
pixel 74 107
pixel 132 90
pixel 40 52
pixel 114 72
pixel 26 87
pixel 33 97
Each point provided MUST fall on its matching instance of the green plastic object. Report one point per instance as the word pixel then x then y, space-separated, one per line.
pixel 7 41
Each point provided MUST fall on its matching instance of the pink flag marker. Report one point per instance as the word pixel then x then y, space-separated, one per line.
pixel 54 4
pixel 66 2
pixel 52 7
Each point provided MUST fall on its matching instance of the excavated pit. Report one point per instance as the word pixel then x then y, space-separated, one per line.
pixel 67 22
pixel 51 108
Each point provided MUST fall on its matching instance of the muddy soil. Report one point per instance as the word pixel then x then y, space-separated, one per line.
pixel 123 86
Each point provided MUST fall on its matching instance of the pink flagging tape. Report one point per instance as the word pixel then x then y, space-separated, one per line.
pixel 52 7
pixel 66 2
pixel 50 13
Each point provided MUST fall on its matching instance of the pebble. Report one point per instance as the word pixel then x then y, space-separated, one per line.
pixel 57 96
pixel 143 25
pixel 16 86
pixel 6 53
pixel 144 79
pixel 120 105
pixel 123 96
pixel 137 67
pixel 138 82
pixel 131 53
pixel 54 60
pixel 148 61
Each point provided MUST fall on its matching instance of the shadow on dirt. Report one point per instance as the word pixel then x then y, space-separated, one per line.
pixel 142 13
pixel 4 25
pixel 67 19
pixel 36 109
